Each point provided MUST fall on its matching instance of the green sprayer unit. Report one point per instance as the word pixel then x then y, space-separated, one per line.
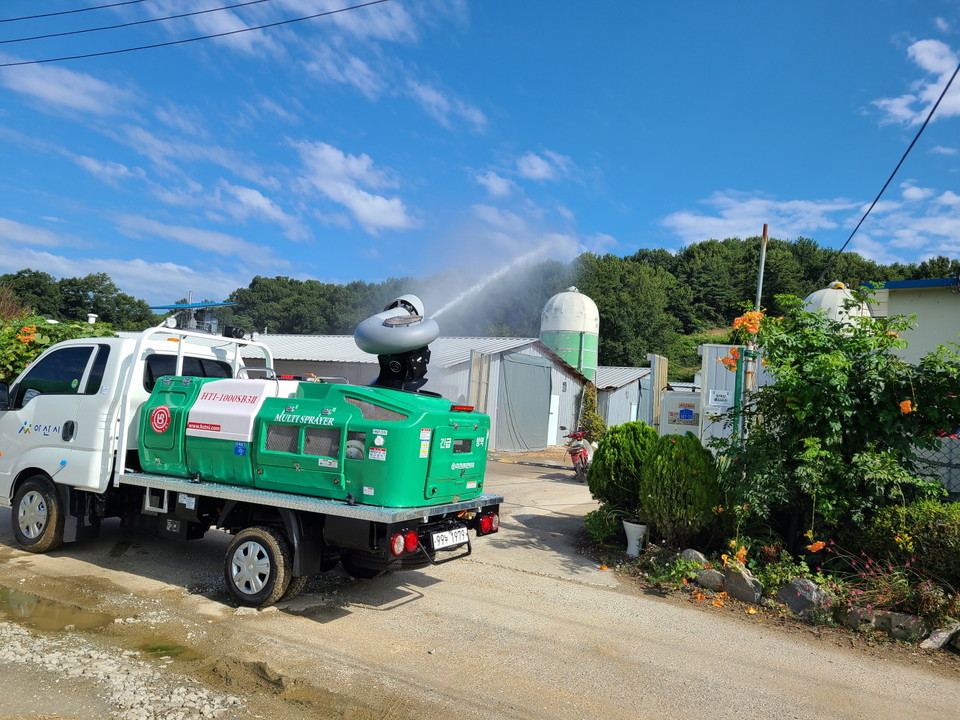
pixel 177 438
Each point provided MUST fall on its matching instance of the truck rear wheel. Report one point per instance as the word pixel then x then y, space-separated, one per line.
pixel 37 515
pixel 258 566
pixel 296 586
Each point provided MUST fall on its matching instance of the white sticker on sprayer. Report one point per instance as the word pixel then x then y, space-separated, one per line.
pixel 368 491
pixel 378 453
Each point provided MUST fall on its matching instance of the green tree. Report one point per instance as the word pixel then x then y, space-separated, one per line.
pixel 38 290
pixel 96 293
pixel 832 440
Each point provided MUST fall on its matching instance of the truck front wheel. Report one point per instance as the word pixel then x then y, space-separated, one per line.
pixel 258 566
pixel 37 515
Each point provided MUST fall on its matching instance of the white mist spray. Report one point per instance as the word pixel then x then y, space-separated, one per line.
pixel 517 262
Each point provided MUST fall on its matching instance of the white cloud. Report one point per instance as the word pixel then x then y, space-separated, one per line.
pixel 342 178
pixel 941 150
pixel 941 24
pixel 949 198
pixel 443 109
pixel 912 192
pixel 55 88
pixel 19 234
pixel 168 155
pixel 340 66
pixel 938 61
pixel 219 243
pixel 744 214
pixel 548 166
pixel 893 232
pixel 496 185
pixel 243 202
pixel 109 172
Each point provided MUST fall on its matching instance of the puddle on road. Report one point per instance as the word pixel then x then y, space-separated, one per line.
pixel 47 615
pixel 155 647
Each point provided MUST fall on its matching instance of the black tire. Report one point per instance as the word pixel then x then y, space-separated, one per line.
pixel 359 571
pixel 296 586
pixel 257 567
pixel 37 515
pixel 580 471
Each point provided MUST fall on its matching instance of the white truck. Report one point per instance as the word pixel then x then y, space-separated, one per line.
pixel 71 455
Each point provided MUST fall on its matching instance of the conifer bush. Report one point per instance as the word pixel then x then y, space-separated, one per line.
pixel 614 477
pixel 679 487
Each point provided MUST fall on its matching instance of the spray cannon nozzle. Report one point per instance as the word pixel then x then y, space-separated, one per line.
pixel 401 327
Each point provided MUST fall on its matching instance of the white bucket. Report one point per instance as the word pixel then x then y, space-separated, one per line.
pixel 635 535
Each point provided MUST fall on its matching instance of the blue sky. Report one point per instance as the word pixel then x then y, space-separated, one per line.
pixel 409 138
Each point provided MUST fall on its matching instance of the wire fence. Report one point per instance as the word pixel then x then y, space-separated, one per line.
pixel 943 464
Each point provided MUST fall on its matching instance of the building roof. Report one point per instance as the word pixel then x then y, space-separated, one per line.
pixel 444 351
pixel 611 378
pixel 926 283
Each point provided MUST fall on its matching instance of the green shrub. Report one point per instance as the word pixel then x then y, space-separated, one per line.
pixel 591 420
pixel 614 477
pixel 679 487
pixel 603 525
pixel 925 534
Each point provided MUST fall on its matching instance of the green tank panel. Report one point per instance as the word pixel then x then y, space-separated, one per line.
pixel 372 446
pixel 163 424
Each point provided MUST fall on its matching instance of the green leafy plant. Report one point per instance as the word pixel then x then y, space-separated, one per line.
pixel 614 477
pixel 603 525
pixel 679 487
pixel 832 440
pixel 22 338
pixel 674 572
pixel 925 533
pixel 591 420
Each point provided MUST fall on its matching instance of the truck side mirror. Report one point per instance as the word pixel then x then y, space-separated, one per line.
pixel 4 396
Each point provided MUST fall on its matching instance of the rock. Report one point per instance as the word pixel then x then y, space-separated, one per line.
pixel 940 637
pixel 695 556
pixel 900 626
pixel 742 585
pixel 801 595
pixel 710 579
pixel 858 618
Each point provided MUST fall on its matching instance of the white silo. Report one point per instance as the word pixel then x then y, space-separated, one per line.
pixel 570 325
pixel 835 301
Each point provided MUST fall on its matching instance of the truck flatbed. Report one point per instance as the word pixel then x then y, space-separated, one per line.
pixel 305 503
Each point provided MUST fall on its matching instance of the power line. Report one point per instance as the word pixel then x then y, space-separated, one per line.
pixel 193 39
pixel 916 137
pixel 131 24
pixel 70 12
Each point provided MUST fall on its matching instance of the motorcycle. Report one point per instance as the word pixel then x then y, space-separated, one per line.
pixel 579 451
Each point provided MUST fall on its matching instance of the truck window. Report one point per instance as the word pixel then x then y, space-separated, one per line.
pixel 95 380
pixel 160 365
pixel 59 373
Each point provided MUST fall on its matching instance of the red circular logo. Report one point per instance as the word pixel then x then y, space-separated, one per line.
pixel 160 419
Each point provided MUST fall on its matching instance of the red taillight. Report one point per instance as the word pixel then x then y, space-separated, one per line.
pixel 461 408
pixel 489 523
pixel 411 541
pixel 397 544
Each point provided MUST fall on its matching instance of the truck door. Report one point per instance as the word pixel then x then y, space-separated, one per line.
pixel 53 424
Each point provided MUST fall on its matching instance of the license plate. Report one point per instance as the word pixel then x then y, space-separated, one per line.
pixel 449 538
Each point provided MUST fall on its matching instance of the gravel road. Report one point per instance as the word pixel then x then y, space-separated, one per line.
pixel 524 628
